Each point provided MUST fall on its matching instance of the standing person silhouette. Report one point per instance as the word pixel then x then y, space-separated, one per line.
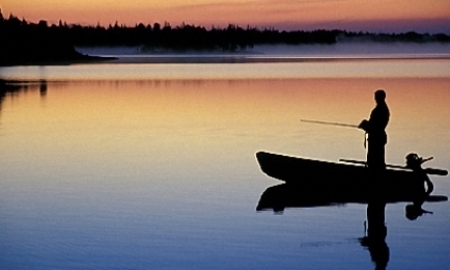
pixel 375 127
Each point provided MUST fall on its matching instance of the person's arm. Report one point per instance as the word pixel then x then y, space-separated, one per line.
pixel 364 125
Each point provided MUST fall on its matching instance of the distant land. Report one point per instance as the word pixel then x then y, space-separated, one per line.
pixel 26 43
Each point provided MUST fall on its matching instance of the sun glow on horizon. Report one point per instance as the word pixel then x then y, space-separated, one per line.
pixel 329 14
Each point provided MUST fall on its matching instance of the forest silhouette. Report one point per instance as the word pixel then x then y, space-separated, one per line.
pixel 36 43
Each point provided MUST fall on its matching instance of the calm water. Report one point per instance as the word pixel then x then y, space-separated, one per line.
pixel 151 166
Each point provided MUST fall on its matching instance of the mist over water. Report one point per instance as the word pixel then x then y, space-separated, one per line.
pixel 359 49
pixel 343 49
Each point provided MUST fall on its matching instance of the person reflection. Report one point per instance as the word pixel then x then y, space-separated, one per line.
pixel 375 127
pixel 375 239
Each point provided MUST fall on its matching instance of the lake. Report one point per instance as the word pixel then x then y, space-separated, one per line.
pixel 130 165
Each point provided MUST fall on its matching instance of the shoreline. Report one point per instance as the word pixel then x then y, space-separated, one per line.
pixel 247 59
pixel 225 59
pixel 345 51
pixel 84 59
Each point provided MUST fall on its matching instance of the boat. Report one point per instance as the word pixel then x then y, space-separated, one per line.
pixel 341 180
pixel 279 197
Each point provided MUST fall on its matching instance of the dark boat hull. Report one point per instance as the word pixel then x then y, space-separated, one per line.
pixel 322 178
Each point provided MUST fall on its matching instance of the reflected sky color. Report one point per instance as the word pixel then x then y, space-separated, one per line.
pixel 347 68
pixel 161 173
pixel 178 110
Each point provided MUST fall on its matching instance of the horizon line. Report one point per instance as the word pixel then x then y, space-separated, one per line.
pixel 213 26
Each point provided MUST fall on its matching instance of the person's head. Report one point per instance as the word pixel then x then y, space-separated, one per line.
pixel 380 96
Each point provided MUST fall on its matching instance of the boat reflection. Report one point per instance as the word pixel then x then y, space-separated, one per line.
pixel 280 197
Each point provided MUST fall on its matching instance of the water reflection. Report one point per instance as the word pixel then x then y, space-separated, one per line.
pixel 280 197
pixel 43 88
pixel 158 171
pixel 6 88
pixel 375 238
pixel 13 88
pixel 327 183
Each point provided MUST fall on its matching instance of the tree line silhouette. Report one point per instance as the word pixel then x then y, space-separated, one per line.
pixel 24 42
pixel 29 43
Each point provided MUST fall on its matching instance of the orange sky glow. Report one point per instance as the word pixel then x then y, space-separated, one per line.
pixel 353 15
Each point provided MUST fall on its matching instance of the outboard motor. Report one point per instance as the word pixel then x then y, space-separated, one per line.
pixel 414 162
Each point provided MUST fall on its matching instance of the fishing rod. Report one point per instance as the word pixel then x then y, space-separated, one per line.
pixel 427 170
pixel 329 123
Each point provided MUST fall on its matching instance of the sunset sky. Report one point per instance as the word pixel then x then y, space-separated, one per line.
pixel 354 15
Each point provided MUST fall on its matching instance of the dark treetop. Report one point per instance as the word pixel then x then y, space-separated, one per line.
pixel 23 42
